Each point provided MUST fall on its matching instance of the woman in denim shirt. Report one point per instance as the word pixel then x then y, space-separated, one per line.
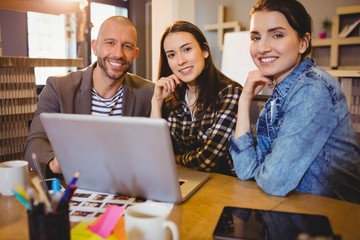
pixel 304 139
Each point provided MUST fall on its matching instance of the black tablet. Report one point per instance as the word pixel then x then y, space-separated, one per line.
pixel 245 223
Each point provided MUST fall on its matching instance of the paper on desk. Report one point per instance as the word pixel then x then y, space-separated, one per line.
pixel 87 206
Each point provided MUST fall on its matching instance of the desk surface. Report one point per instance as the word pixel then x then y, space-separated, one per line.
pixel 197 217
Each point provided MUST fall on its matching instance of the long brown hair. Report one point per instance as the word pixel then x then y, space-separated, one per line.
pixel 209 83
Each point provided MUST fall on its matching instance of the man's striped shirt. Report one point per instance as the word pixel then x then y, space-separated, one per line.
pixel 107 106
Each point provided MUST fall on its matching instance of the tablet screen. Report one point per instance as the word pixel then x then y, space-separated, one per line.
pixel 244 223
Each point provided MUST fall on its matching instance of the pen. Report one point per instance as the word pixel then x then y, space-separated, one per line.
pixel 55 184
pixel 75 178
pixel 40 174
pixel 57 195
pixel 22 192
pixel 22 200
pixel 69 192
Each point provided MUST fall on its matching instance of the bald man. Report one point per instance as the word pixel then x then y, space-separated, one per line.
pixel 103 88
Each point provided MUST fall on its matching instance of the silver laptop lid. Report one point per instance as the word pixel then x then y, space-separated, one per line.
pixel 125 155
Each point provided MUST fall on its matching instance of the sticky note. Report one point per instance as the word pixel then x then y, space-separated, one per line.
pixel 82 232
pixel 107 221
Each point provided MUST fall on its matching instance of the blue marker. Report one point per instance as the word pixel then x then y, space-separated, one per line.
pixel 55 185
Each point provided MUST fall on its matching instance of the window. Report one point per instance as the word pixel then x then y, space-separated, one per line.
pixel 100 12
pixel 51 36
pixel 54 36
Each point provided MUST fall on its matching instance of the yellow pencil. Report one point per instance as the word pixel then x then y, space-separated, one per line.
pixel 36 181
pixel 20 190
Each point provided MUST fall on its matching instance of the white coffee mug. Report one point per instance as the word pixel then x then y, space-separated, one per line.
pixel 147 221
pixel 13 173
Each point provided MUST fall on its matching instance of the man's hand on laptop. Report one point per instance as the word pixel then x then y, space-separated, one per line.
pixel 55 166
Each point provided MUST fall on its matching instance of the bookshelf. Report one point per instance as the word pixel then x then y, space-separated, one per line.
pixel 340 52
pixel 350 83
pixel 18 99
pixel 339 55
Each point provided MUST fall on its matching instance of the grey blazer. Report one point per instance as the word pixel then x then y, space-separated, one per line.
pixel 72 93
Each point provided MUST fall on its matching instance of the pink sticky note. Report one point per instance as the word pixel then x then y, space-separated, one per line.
pixel 106 223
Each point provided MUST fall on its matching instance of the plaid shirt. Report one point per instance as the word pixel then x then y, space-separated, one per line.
pixel 203 143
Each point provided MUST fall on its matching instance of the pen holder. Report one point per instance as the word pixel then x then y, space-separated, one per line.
pixel 54 225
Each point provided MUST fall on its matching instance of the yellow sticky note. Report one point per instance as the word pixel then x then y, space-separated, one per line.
pixel 81 232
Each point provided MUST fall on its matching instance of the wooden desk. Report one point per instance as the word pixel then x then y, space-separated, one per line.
pixel 197 217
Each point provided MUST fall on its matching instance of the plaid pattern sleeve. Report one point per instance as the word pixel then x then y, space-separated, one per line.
pixel 203 143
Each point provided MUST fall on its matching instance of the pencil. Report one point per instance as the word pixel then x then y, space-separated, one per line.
pixel 64 201
pixel 36 181
pixel 20 190
pixel 39 173
pixel 22 200
pixel 75 178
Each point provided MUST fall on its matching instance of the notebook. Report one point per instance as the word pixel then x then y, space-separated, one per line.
pixel 120 155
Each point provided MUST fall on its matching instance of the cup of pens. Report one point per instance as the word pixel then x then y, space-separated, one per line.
pixel 49 225
pixel 48 215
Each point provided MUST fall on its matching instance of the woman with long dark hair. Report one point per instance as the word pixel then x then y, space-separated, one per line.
pixel 199 102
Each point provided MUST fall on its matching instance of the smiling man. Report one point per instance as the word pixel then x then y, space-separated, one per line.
pixel 104 88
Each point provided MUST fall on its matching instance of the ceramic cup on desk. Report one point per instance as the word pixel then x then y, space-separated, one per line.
pixel 12 173
pixel 147 221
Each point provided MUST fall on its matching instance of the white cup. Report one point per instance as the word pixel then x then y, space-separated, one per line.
pixel 13 173
pixel 147 221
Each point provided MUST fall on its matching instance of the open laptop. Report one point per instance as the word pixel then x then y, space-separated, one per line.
pixel 120 155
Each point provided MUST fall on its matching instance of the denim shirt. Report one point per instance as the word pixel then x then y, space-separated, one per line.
pixel 304 141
